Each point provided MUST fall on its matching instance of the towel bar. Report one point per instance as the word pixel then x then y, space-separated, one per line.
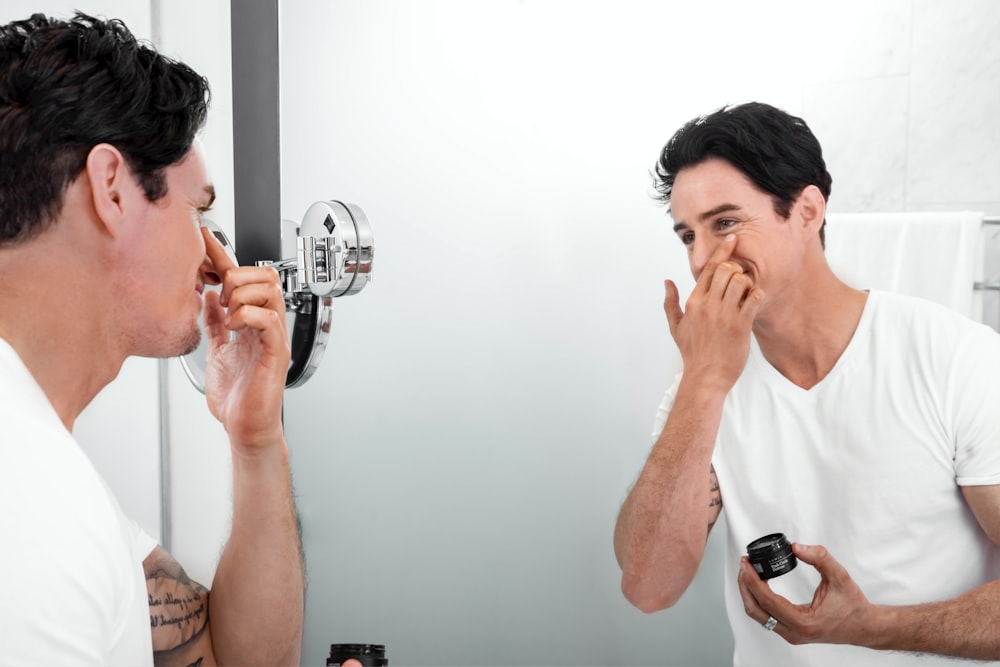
pixel 995 287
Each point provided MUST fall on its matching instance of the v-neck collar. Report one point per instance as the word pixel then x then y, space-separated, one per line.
pixel 773 377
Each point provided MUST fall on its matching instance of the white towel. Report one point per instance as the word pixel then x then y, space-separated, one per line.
pixel 936 256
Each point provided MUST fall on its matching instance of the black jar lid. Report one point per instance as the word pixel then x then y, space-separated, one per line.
pixel 767 545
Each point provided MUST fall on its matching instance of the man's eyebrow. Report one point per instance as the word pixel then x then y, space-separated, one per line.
pixel 721 208
pixel 210 191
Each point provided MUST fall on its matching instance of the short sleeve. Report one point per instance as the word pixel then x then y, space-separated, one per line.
pixel 974 393
pixel 142 543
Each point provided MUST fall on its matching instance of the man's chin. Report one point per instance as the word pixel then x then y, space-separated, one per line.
pixel 190 343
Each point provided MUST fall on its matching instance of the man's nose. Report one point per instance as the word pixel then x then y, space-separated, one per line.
pixel 208 272
pixel 701 250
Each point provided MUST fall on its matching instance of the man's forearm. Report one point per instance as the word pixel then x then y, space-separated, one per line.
pixel 663 525
pixel 965 626
pixel 257 599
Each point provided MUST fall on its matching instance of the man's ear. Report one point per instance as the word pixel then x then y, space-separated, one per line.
pixel 812 209
pixel 112 185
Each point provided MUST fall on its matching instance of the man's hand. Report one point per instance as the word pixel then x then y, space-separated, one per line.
pixel 245 372
pixel 713 334
pixel 838 614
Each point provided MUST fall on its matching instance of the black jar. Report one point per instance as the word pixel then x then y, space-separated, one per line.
pixel 369 655
pixel 771 555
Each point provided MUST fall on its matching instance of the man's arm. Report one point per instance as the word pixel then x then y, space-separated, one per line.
pixel 259 587
pixel 178 613
pixel 965 626
pixel 663 524
pixel 257 599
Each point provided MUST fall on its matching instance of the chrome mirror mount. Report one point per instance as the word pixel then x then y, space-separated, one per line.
pixel 330 255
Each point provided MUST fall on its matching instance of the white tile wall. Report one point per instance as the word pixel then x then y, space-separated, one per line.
pixel 907 117
pixel 954 136
pixel 904 100
pixel 861 125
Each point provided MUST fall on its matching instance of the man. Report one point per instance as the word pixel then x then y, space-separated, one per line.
pixel 102 256
pixel 865 422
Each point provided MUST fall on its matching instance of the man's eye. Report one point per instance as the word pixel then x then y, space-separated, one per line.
pixel 687 238
pixel 726 224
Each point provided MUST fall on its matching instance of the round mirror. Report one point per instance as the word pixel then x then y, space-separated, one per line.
pixel 195 362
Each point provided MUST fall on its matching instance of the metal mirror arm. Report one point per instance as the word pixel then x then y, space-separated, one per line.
pixel 317 261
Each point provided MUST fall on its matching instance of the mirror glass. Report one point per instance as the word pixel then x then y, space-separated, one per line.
pixel 194 363
pixel 460 467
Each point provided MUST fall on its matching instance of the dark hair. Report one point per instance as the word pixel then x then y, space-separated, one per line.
pixel 66 86
pixel 777 151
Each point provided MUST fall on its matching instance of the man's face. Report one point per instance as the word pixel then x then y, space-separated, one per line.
pixel 167 266
pixel 713 199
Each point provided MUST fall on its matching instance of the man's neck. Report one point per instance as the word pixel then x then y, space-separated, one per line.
pixel 805 334
pixel 49 315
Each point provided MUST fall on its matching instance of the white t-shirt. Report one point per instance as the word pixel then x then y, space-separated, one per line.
pixel 867 463
pixel 74 591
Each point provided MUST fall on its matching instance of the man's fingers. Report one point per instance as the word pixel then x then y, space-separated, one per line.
pixel 217 254
pixel 672 306
pixel 268 324
pixel 263 294
pixel 245 279
pixel 723 252
pixel 257 306
pixel 761 603
pixel 214 318
pixel 820 558
pixel 220 268
pixel 739 284
pixel 751 304
pixel 747 579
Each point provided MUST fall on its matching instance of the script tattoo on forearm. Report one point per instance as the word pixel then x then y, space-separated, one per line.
pixel 178 609
pixel 714 497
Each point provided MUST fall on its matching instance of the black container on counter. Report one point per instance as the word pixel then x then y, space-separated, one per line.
pixel 369 655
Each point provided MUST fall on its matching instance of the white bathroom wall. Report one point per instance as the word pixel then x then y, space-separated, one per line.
pixel 462 452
